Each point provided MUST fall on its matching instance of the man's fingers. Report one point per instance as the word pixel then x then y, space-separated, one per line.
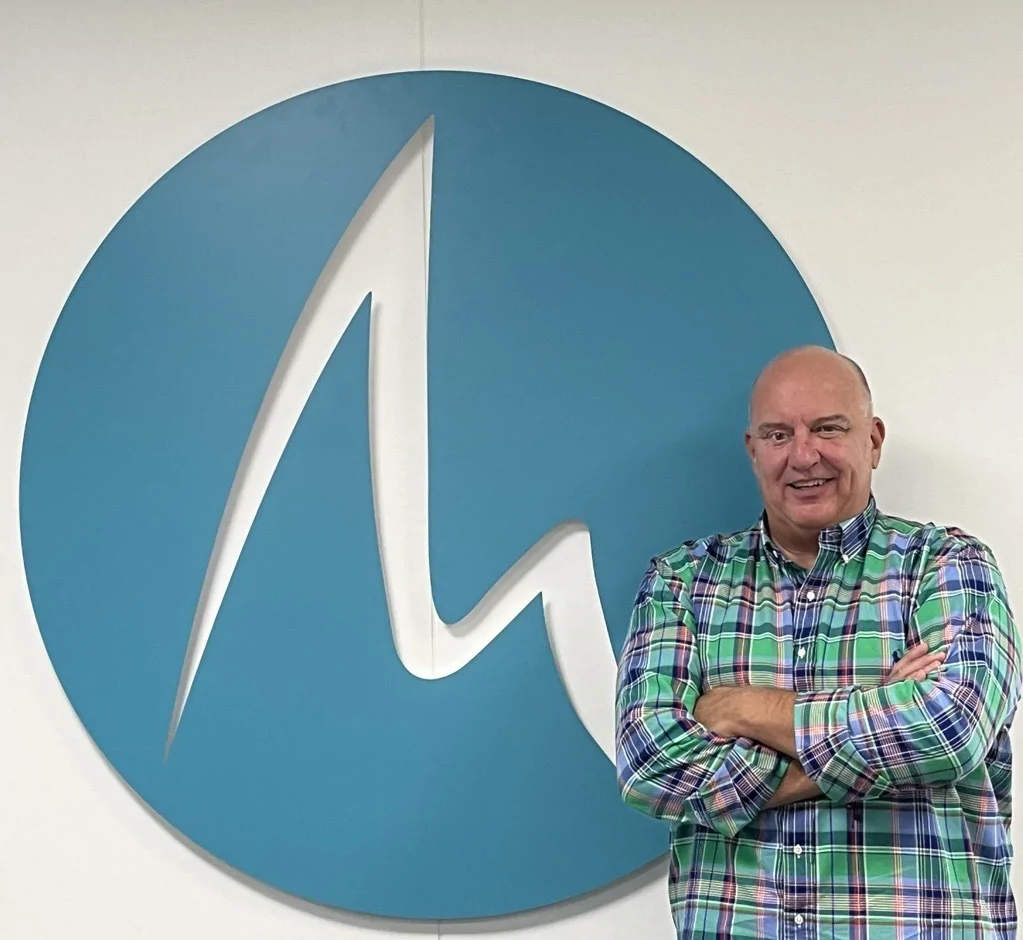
pixel 914 653
pixel 929 660
pixel 912 669
pixel 922 668
pixel 910 660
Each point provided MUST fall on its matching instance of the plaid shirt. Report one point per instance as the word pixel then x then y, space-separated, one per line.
pixel 912 836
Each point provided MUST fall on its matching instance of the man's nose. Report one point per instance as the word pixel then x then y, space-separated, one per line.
pixel 804 453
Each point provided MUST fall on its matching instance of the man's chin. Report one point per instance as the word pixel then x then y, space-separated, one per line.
pixel 818 516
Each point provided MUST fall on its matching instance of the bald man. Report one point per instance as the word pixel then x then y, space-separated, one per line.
pixel 820 704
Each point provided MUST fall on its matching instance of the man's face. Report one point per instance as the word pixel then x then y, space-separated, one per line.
pixel 812 441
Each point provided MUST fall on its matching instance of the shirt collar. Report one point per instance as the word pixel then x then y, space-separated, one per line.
pixel 847 538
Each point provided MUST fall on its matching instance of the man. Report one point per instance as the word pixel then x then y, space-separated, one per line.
pixel 820 704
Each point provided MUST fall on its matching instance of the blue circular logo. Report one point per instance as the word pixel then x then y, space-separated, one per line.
pixel 345 458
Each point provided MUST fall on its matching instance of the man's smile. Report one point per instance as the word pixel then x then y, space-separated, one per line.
pixel 812 490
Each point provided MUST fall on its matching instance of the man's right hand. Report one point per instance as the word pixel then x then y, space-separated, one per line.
pixel 916 664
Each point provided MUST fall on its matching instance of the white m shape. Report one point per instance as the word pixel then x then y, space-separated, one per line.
pixel 382 255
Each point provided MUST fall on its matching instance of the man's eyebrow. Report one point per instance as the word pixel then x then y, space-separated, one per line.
pixel 768 426
pixel 832 418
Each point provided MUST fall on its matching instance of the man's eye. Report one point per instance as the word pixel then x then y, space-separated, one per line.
pixel 777 437
pixel 830 429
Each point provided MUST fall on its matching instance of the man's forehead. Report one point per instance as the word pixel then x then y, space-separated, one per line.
pixel 807 390
pixel 802 394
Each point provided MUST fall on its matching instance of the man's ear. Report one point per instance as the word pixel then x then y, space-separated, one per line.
pixel 749 448
pixel 877 435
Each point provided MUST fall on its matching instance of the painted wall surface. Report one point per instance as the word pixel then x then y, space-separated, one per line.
pixel 880 145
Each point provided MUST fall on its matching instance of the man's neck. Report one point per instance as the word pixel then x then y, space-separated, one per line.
pixel 800 546
pixel 797 545
pixel 802 552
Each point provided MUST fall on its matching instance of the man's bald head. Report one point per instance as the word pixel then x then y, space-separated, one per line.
pixel 814 362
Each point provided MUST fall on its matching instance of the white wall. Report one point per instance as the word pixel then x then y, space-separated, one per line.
pixel 880 141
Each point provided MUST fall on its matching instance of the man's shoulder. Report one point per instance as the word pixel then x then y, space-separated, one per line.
pixel 924 540
pixel 720 549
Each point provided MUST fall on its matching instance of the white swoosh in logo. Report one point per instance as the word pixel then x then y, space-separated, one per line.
pixel 379 249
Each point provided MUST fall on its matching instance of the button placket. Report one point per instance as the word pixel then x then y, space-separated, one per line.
pixel 802 633
pixel 797 872
pixel 806 611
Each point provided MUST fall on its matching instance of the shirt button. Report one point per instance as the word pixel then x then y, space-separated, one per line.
pixel 799 920
pixel 811 595
pixel 798 850
pixel 802 652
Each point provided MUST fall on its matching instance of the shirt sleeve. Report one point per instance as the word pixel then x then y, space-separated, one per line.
pixel 669 765
pixel 858 744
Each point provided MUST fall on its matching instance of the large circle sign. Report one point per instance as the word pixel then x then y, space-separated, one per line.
pixel 599 304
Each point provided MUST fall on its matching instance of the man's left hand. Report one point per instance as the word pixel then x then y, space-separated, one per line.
pixel 719 709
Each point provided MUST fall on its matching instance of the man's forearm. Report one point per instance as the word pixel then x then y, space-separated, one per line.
pixel 795 787
pixel 767 716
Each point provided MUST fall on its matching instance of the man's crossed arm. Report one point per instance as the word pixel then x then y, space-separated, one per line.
pixel 768 716
pixel 720 759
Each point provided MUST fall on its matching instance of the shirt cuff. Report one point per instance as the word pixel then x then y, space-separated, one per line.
pixel 740 788
pixel 826 748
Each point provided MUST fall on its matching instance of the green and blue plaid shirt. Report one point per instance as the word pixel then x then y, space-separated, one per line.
pixel 912 836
